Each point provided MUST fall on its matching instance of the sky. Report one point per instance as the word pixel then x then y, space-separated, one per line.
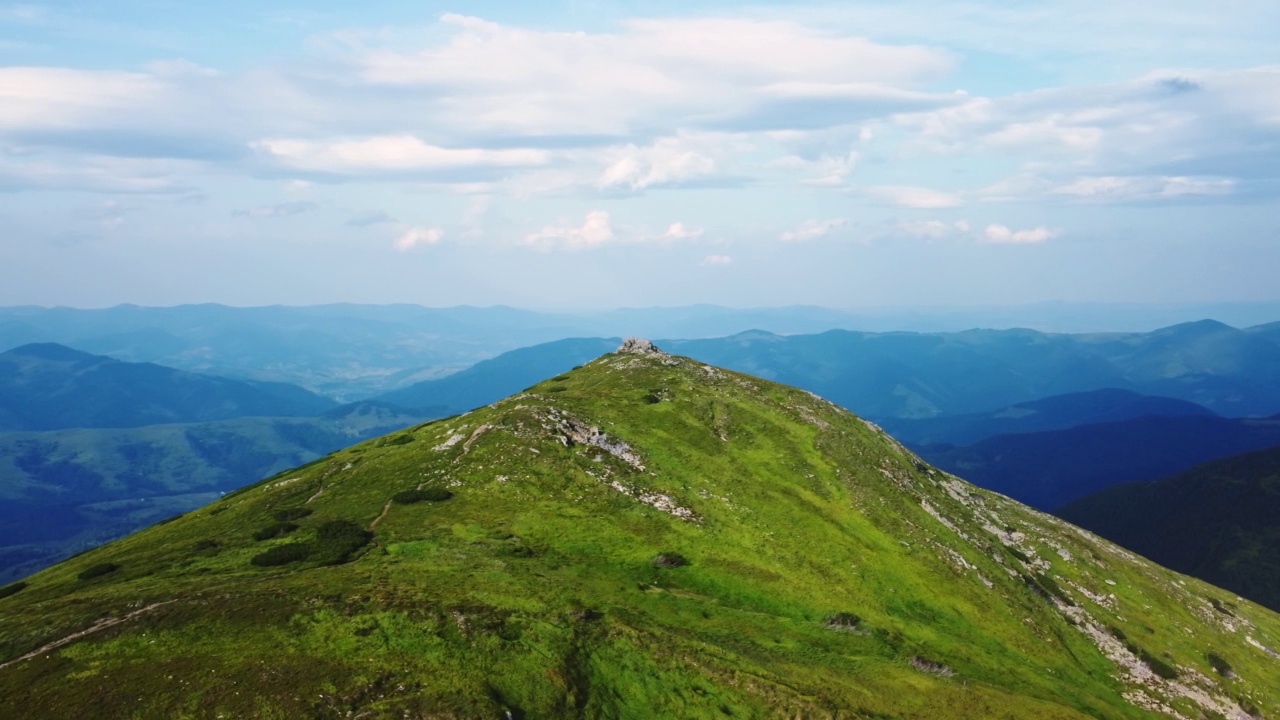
pixel 589 154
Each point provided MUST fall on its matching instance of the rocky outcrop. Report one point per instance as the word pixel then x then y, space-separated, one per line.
pixel 638 346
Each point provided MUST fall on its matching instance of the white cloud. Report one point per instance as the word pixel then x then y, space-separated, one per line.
pixel 1113 187
pixel 679 231
pixel 666 161
pixel 811 229
pixel 1190 131
pixel 653 73
pixel 391 153
pixel 824 171
pixel 914 197
pixel 594 232
pixel 49 97
pixel 717 260
pixel 416 236
pixel 1002 235
pixel 933 229
pixel 141 176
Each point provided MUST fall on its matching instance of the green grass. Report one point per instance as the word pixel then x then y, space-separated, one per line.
pixel 813 579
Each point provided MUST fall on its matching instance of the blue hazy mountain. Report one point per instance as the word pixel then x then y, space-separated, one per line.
pixel 49 387
pixel 1049 469
pixel 904 375
pixel 507 374
pixel 920 375
pixel 358 351
pixel 1219 521
pixel 1052 413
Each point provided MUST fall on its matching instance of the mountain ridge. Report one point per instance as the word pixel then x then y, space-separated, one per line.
pixel 47 386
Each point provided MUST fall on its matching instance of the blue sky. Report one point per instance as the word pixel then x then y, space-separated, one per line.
pixel 603 154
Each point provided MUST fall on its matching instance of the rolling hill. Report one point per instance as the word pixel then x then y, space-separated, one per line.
pixel 64 491
pixel 53 387
pixel 645 536
pixel 1219 521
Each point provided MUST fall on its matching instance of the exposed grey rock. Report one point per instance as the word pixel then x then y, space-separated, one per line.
pixel 639 346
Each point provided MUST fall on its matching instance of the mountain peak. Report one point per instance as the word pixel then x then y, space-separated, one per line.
pixel 638 346
pixel 52 352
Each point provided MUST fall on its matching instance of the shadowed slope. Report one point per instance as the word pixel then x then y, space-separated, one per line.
pixel 1219 521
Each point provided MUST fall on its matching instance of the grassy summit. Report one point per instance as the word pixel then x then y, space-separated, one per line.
pixel 645 536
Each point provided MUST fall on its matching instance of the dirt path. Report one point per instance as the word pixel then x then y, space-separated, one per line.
pixel 99 626
pixel 318 494
pixel 385 509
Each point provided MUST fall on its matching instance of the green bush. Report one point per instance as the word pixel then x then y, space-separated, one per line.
pixel 336 540
pixel 294 513
pixel 13 589
pixel 403 439
pixel 560 378
pixel 518 551
pixel 670 560
pixel 205 546
pixel 98 571
pixel 277 530
pixel 1158 666
pixel 283 555
pixel 1046 587
pixel 1220 665
pixel 843 621
pixel 409 497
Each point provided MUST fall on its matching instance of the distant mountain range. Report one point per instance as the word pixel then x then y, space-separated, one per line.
pixel 352 352
pixel 1052 413
pixel 1219 521
pixel 887 376
pixel 490 380
pixel 1049 469
pixel 51 387
pixel 910 375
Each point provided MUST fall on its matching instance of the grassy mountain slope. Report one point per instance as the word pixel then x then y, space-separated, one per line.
pixel 67 490
pixel 1219 521
pixel 1049 469
pixel 644 536
pixel 1052 413
pixel 52 387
